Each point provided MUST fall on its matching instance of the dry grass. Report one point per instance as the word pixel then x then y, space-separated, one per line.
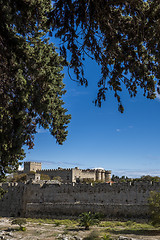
pixel 50 229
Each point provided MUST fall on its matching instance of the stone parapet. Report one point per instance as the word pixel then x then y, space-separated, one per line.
pixel 50 197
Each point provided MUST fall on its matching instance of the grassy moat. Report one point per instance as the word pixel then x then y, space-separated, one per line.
pixel 48 229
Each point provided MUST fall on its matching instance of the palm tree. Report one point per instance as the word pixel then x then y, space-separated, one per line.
pixel 87 219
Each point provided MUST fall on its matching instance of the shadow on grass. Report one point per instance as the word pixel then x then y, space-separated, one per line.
pixel 16 229
pixel 153 232
pixel 76 229
pixel 10 229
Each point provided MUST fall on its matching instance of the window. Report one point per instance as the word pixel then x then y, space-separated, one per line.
pixel 67 177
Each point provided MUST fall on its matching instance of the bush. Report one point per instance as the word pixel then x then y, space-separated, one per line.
pixel 87 219
pixel 19 178
pixel 2 192
pixel 93 236
pixel 107 237
pixel 154 206
pixel 44 177
pixel 20 222
pixel 58 178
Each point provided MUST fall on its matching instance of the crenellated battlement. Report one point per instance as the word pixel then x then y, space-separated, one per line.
pixel 55 170
pixel 41 183
pixel 69 174
pixel 37 198
pixel 47 198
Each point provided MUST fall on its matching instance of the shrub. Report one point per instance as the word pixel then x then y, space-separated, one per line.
pixel 57 223
pixel 154 206
pixel 58 178
pixel 20 222
pixel 93 236
pixel 19 178
pixel 87 219
pixel 107 237
pixel 44 177
pixel 2 192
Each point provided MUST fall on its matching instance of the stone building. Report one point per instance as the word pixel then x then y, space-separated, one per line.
pixel 32 167
pixel 70 174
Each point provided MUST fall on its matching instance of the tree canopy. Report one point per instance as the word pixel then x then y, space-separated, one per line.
pixel 31 86
pixel 122 36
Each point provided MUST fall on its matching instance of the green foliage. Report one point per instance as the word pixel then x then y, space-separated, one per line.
pixel 40 220
pixel 56 222
pixel 121 36
pixel 121 179
pixel 94 235
pixel 66 222
pixel 150 178
pixel 154 205
pixel 31 86
pixel 109 229
pixel 107 237
pixel 111 226
pixel 129 223
pixel 20 222
pixel 2 192
pixel 19 178
pixel 87 219
pixel 58 178
pixel 22 229
pixel 145 178
pixel 87 180
pixel 45 177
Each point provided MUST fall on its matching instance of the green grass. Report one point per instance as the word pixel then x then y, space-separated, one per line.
pixel 129 227
pixel 40 220
pixel 114 225
pixel 66 222
pixel 56 222
pixel 94 235
pixel 105 228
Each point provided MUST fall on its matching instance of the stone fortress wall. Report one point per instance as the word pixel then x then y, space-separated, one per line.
pixel 69 175
pixel 50 199
pixel 32 166
pixel 37 198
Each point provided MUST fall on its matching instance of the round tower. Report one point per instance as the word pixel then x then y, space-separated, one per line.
pixel 108 176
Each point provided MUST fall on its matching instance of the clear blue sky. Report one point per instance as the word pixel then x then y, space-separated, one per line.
pixel 127 144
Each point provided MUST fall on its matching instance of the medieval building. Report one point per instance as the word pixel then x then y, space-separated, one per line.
pixel 69 175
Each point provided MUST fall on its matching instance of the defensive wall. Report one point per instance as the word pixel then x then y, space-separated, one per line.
pixel 50 199
pixel 69 175
pixel 64 174
pixel 32 166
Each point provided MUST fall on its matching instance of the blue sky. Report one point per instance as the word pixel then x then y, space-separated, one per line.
pixel 127 144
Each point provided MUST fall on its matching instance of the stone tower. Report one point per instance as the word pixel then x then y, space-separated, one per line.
pixel 31 167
